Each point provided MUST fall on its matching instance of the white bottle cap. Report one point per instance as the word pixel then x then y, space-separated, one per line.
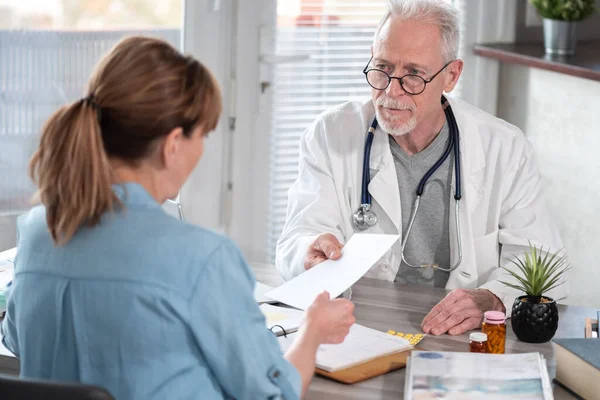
pixel 478 337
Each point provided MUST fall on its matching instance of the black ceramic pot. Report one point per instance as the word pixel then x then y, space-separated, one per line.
pixel 534 322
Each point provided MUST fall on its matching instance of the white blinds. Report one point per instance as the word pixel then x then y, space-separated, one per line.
pixel 39 72
pixel 338 37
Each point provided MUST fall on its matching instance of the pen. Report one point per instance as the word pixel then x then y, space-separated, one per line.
pixel 598 324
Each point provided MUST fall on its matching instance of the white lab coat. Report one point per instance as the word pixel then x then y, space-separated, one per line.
pixel 502 204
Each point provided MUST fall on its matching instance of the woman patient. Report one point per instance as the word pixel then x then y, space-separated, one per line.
pixel 108 289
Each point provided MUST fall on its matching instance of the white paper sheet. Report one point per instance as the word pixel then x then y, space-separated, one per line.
pixel 7 271
pixel 5 277
pixel 358 255
pixel 7 258
pixel 4 351
pixel 259 293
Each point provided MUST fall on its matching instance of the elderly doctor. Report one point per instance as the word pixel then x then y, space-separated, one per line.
pixel 413 62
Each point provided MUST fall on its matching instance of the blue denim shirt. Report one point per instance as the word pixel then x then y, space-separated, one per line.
pixel 144 305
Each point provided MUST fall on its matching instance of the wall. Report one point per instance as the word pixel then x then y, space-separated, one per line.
pixel 560 115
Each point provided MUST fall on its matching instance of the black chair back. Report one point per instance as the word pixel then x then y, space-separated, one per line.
pixel 14 388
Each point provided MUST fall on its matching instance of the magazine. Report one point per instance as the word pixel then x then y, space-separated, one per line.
pixel 466 376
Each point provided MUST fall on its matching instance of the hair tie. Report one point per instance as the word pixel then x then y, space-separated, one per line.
pixel 90 101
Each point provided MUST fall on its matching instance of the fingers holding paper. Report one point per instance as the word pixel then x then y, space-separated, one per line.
pixel 325 247
pixel 460 311
pixel 330 320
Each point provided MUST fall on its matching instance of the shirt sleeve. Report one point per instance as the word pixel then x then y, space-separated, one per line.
pixel 232 335
pixel 312 208
pixel 524 218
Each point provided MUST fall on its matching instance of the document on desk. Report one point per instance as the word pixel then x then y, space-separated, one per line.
pixel 5 277
pixel 361 345
pixel 358 255
pixel 259 293
pixel 281 320
pixel 4 351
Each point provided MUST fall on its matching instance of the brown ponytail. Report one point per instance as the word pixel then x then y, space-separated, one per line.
pixel 72 170
pixel 139 92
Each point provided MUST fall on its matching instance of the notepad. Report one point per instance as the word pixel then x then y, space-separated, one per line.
pixel 281 320
pixel 361 345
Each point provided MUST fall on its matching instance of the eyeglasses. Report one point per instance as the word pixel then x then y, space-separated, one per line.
pixel 410 83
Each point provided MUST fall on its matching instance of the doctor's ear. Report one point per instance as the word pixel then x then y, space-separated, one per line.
pixel 171 146
pixel 454 71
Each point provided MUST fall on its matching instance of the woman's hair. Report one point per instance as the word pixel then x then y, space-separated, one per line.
pixel 139 92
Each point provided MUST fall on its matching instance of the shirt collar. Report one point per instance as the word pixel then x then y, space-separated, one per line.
pixel 132 194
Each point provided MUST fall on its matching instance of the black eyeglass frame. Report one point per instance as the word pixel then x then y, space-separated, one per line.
pixel 425 81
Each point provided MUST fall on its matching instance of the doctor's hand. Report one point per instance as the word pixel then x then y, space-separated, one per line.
pixel 460 311
pixel 325 247
pixel 329 321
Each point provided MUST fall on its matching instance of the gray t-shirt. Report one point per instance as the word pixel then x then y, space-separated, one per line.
pixel 429 239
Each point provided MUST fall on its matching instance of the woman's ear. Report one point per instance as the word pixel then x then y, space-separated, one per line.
pixel 171 146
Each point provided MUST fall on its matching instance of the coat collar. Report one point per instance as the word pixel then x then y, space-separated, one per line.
pixel 384 183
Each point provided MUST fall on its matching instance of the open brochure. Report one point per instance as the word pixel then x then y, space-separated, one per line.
pixel 466 376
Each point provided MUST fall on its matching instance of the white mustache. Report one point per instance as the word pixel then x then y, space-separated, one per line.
pixel 394 104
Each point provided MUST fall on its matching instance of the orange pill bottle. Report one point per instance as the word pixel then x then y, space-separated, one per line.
pixel 478 342
pixel 494 326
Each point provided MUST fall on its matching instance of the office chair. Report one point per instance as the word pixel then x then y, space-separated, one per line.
pixel 174 209
pixel 14 388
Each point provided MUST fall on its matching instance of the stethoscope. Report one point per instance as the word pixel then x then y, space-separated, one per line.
pixel 364 217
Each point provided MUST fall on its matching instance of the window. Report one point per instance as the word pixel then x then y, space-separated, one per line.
pixel 337 35
pixel 48 49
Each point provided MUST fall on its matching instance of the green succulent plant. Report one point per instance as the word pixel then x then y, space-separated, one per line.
pixel 537 273
pixel 565 10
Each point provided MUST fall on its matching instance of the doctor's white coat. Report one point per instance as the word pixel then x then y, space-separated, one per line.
pixel 502 204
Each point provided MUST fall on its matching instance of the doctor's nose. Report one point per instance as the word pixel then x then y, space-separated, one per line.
pixel 395 89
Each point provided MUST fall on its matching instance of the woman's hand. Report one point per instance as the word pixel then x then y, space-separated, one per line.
pixel 329 321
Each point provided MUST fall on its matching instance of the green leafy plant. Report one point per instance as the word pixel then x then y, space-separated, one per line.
pixel 537 274
pixel 565 10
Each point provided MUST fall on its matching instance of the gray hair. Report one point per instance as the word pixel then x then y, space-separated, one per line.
pixel 437 12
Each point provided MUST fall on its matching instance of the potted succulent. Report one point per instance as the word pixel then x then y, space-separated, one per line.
pixel 534 316
pixel 560 22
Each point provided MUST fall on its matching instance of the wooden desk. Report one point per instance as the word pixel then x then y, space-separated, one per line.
pixel 387 305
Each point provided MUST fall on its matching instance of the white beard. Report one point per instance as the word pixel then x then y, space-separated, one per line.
pixel 394 126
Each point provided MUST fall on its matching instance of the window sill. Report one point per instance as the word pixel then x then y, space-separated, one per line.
pixel 584 64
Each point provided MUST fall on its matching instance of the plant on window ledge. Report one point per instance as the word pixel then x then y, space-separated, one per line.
pixel 560 22
pixel 565 10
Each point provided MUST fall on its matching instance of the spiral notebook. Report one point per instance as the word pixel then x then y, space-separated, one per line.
pixel 360 346
pixel 281 320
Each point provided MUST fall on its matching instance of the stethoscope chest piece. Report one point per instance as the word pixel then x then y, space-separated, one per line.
pixel 364 218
